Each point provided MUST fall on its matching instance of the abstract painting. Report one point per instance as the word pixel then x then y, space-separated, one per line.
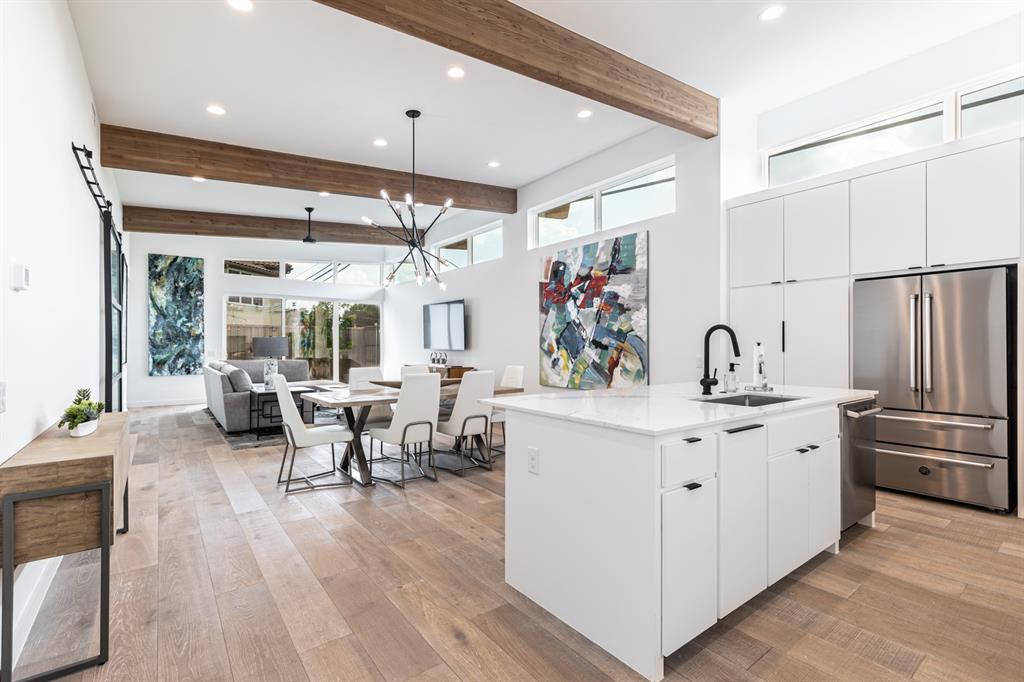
pixel 175 315
pixel 593 307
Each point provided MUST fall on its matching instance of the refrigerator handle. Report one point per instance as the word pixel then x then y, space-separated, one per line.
pixel 926 342
pixel 913 343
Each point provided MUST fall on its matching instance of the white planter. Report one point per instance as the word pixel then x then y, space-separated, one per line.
pixel 85 428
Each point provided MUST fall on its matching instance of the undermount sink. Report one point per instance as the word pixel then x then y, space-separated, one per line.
pixel 747 400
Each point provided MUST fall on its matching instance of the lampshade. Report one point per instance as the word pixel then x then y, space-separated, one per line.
pixel 269 346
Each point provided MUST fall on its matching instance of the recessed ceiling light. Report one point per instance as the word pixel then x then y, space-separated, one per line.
pixel 241 5
pixel 325 194
pixel 584 113
pixel 493 164
pixel 380 142
pixel 772 13
pixel 216 110
pixel 456 72
pixel 198 178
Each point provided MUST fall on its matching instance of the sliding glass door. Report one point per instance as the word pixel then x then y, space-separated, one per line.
pixel 331 336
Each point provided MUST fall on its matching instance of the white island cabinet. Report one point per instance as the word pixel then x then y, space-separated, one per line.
pixel 641 516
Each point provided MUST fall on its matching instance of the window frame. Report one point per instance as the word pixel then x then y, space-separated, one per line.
pixel 951 119
pixel 335 266
pixel 468 237
pixel 595 190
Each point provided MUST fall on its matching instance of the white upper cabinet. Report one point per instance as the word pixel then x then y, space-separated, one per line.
pixel 755 243
pixel 817 315
pixel 888 214
pixel 817 233
pixel 974 205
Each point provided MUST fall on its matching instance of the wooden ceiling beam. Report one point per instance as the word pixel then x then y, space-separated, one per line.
pixel 504 34
pixel 142 150
pixel 205 224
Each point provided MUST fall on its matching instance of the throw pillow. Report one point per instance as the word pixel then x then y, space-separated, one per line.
pixel 240 380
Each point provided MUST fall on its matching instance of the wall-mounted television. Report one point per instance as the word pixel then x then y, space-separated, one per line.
pixel 444 325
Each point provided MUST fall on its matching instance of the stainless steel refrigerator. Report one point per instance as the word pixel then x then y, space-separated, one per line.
pixel 940 349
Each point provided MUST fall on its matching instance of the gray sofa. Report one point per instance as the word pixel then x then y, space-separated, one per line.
pixel 228 384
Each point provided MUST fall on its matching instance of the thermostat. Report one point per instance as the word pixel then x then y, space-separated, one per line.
pixel 20 279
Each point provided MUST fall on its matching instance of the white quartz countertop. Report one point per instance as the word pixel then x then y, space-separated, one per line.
pixel 665 408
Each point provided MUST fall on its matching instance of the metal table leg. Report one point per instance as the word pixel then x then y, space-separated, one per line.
pixel 124 529
pixel 7 603
pixel 356 423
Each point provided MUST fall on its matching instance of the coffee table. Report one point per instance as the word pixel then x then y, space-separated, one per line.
pixel 264 409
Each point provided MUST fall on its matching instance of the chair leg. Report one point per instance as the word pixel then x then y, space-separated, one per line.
pixel 402 465
pixel 291 467
pixel 284 457
pixel 334 460
pixel 430 458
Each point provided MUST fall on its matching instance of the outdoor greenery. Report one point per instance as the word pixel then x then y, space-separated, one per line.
pixel 81 410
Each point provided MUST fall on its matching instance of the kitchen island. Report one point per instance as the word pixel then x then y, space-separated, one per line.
pixel 641 516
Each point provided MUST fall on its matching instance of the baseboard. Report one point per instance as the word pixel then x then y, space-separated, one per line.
pixel 30 587
pixel 165 403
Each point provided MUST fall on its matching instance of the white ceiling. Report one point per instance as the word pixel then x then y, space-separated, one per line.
pixel 721 47
pixel 303 78
pixel 300 77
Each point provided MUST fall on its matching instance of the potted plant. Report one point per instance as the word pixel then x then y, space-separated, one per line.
pixel 82 416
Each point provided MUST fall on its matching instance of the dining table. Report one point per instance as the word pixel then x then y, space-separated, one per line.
pixel 356 403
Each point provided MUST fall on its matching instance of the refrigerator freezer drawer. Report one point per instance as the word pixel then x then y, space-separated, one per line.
pixel 965 478
pixel 975 435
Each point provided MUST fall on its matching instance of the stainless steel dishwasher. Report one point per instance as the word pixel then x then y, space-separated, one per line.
pixel 857 440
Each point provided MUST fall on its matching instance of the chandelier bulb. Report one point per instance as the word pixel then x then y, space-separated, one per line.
pixel 444 287
pixel 419 278
pixel 408 199
pixel 448 202
pixel 368 220
pixel 430 277
pixel 384 195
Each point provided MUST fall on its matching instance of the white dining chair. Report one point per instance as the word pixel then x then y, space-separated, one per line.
pixel 512 377
pixel 298 435
pixel 361 378
pixel 469 423
pixel 413 369
pixel 413 424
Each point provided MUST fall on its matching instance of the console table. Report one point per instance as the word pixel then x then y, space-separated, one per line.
pixel 62 495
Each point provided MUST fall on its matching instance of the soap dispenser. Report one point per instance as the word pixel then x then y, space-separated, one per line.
pixel 731 384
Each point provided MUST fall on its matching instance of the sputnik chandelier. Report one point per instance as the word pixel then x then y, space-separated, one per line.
pixel 422 260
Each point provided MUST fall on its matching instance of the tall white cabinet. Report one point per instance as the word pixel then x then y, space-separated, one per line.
pixel 792 255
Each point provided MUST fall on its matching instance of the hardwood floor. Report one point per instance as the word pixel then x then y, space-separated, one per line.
pixel 224 577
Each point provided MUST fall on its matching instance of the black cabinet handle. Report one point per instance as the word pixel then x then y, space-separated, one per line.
pixel 748 427
pixel 813 447
pixel 802 450
pixel 693 439
pixel 777 282
pixel 692 486
pixel 790 281
pixel 783 336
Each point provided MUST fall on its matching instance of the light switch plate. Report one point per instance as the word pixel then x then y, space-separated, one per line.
pixel 533 460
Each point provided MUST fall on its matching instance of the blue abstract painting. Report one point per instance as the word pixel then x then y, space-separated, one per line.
pixel 175 315
pixel 593 307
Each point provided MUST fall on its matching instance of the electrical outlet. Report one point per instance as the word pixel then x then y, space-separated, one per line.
pixel 533 460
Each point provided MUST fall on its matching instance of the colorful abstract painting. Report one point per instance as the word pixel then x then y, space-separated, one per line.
pixel 593 307
pixel 175 315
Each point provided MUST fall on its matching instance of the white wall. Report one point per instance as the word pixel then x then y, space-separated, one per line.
pixel 163 390
pixel 935 72
pixel 51 336
pixel 502 295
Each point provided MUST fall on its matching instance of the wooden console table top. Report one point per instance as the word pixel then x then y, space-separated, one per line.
pixel 70 523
